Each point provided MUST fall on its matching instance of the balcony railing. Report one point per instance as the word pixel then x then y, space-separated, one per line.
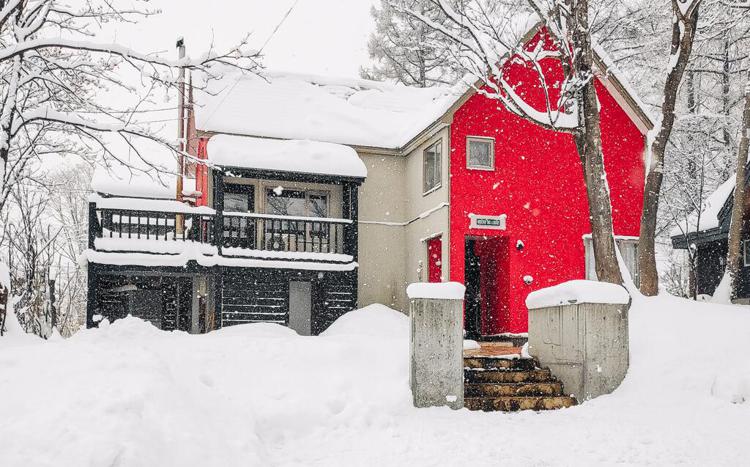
pixel 235 234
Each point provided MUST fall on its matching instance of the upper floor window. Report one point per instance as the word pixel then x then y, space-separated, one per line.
pixel 628 250
pixel 239 198
pixel 298 203
pixel 480 153
pixel 432 167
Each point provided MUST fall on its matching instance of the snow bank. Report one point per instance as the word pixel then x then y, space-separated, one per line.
pixel 259 395
pixel 436 290
pixel 578 291
pixel 285 156
pixel 373 320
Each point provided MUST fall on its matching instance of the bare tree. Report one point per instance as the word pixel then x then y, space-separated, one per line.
pixel 31 250
pixel 684 28
pixel 485 33
pixel 402 48
pixel 734 251
pixel 51 69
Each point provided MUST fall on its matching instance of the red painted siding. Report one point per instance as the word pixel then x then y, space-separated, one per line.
pixel 201 173
pixel 538 183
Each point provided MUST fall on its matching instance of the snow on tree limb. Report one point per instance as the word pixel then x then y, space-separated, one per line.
pixel 52 73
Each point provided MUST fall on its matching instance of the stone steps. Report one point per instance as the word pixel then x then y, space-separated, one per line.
pixel 490 363
pixel 511 384
pixel 506 376
pixel 549 388
pixel 512 404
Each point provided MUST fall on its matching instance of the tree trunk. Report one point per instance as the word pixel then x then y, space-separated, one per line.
pixel 734 253
pixel 589 145
pixel 683 34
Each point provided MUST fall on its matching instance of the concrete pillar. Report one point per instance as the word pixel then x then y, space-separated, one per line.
pixel 436 345
pixel 579 330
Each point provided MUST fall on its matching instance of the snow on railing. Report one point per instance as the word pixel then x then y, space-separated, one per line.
pixel 119 223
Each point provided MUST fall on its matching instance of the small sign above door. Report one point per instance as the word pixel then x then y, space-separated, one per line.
pixel 487 222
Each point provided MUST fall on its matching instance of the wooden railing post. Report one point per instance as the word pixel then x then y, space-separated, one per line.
pixel 351 211
pixel 219 208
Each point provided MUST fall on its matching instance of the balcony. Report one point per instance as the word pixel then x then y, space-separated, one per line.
pixel 171 229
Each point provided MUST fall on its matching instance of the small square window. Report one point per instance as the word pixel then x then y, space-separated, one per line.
pixel 480 153
pixel 432 167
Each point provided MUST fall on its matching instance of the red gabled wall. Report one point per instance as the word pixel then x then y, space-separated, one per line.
pixel 538 183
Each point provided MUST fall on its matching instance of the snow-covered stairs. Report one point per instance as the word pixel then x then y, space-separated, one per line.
pixel 494 383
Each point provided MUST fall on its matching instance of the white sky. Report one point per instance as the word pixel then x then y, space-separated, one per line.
pixel 327 37
pixel 320 36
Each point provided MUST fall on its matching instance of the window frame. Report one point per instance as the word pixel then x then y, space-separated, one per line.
pixel 745 262
pixel 439 145
pixel 307 192
pixel 590 263
pixel 242 189
pixel 491 141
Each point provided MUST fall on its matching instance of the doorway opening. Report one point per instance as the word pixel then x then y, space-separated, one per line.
pixel 487 286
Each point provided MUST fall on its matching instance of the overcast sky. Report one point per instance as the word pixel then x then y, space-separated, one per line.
pixel 319 36
pixel 327 37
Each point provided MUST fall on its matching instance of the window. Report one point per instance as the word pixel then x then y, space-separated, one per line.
pixel 239 231
pixel 294 234
pixel 285 202
pixel 239 198
pixel 432 168
pixel 745 253
pixel 480 153
pixel 298 203
pixel 629 251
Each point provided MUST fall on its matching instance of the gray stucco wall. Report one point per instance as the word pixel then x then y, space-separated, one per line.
pixel 391 234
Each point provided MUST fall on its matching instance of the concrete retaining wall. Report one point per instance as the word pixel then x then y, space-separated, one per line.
pixel 436 364
pixel 585 345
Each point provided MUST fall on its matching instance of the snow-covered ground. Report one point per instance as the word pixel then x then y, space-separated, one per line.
pixel 129 395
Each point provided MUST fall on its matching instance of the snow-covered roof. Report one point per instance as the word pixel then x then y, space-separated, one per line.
pixel 124 181
pixel 356 112
pixel 709 218
pixel 285 155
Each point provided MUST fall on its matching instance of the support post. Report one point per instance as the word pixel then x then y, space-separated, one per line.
pixel 93 298
pixel 436 368
pixel 93 225
pixel 351 211
pixel 218 177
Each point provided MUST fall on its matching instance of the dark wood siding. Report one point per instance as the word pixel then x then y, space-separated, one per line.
pixel 262 295
pixel 254 297
pixel 335 295
pixel 710 266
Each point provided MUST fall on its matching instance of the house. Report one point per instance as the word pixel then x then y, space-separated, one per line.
pixel 315 195
pixel 707 235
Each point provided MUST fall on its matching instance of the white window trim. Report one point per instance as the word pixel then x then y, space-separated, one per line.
pixel 439 185
pixel 489 168
pixel 745 263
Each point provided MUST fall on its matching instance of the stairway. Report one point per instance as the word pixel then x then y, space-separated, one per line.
pixel 493 383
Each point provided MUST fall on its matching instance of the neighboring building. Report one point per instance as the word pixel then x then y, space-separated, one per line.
pixel 455 188
pixel 707 236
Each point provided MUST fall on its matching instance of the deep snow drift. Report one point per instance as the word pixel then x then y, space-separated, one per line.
pixel 130 395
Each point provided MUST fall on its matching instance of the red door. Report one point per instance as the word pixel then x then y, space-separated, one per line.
pixel 435 259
